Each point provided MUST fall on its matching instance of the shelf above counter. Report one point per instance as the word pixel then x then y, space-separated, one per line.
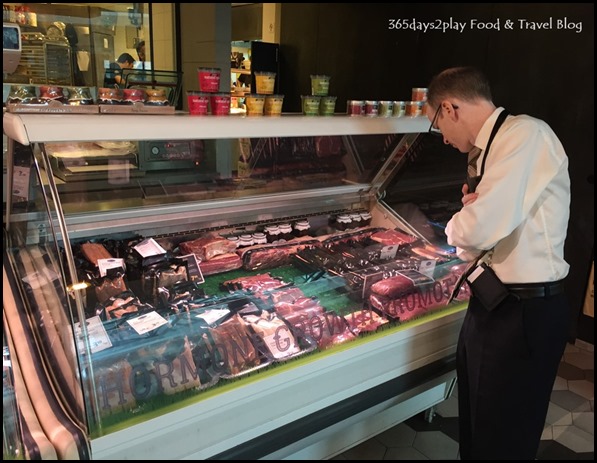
pixel 35 128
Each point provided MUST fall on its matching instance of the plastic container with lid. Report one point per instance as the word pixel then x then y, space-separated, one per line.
pixel 259 238
pixel 355 107
pixel 285 231
pixel 385 108
pixel 399 108
pixel 22 94
pixel 273 105
pixel 343 222
pixel 320 85
pixel 272 233
pixel 413 108
pixel 327 105
pixel 371 108
pixel 365 218
pixel 265 82
pixel 356 220
pixel 301 228
pixel 219 104
pixel 310 105
pixel 419 94
pixel 49 93
pixel 234 239
pixel 255 104
pixel 245 240
pixel 209 79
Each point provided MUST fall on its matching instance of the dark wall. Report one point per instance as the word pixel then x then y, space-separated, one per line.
pixel 547 72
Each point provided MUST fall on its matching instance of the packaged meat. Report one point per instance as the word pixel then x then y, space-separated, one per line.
pixel 109 287
pixel 389 237
pixel 405 281
pixel 221 263
pixel 113 384
pixel 273 255
pixel 254 283
pixel 365 320
pixel 233 347
pixel 276 339
pixel 95 251
pixel 207 247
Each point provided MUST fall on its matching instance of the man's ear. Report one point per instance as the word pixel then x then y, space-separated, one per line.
pixel 449 110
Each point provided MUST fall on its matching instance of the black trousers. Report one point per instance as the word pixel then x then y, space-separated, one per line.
pixel 507 362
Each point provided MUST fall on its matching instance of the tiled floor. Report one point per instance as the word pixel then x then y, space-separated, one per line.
pixel 568 433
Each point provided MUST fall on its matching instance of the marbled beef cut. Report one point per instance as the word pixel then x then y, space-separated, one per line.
pixel 207 247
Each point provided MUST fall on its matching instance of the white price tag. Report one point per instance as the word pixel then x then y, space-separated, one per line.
pixel 105 264
pixel 96 333
pixel 427 267
pixel 149 247
pixel 20 182
pixel 388 252
pixel 147 322
pixel 212 316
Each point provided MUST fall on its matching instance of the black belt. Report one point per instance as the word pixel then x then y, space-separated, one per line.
pixel 532 290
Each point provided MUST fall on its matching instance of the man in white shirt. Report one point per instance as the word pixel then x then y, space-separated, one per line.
pixel 508 356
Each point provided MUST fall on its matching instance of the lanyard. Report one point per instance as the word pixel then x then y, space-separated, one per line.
pixel 498 123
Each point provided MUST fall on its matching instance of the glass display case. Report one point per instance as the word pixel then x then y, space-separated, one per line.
pixel 230 287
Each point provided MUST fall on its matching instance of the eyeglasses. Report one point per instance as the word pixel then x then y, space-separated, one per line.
pixel 433 129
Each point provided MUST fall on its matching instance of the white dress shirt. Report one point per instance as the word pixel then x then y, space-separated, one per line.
pixel 523 205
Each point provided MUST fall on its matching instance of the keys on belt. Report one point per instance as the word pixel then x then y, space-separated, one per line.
pixel 533 290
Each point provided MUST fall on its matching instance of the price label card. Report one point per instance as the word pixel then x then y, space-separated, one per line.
pixel 96 333
pixel 388 252
pixel 105 264
pixel 20 181
pixel 193 268
pixel 149 248
pixel 427 267
pixel 212 316
pixel 147 322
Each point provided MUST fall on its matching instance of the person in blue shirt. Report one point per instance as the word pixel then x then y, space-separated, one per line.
pixel 114 74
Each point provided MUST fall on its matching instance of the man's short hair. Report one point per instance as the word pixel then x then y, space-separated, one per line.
pixel 125 58
pixel 466 82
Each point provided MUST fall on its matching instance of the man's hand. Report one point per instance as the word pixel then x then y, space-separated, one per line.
pixel 468 198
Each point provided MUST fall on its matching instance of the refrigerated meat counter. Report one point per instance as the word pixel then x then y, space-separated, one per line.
pixel 285 298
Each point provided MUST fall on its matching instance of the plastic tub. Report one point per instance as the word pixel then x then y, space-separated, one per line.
pixel 310 105
pixel 209 79
pixel 320 85
pixel 273 105
pixel 265 82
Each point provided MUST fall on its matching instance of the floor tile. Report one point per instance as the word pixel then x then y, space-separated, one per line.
pixel 582 360
pixel 583 345
pixel 570 372
pixel 552 450
pixel 547 433
pixel 584 421
pixel 557 415
pixel 369 450
pixel 560 384
pixel 404 453
pixel 401 435
pixel 567 435
pixel 436 445
pixel 583 388
pixel 574 438
pixel 570 401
